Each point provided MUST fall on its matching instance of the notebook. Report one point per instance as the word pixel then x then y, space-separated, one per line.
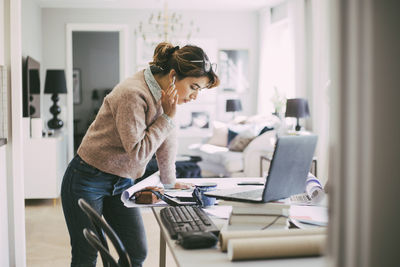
pixel 287 173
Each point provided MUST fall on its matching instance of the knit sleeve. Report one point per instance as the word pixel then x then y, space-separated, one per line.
pixel 166 156
pixel 139 140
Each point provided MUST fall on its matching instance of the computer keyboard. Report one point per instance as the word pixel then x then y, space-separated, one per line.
pixel 248 194
pixel 178 219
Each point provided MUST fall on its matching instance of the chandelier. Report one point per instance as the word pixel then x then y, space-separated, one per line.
pixel 166 27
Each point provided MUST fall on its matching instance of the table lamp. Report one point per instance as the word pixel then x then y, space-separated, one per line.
pixel 55 84
pixel 297 108
pixel 233 105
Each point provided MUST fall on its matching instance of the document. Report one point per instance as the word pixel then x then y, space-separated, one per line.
pixel 128 197
pixel 308 216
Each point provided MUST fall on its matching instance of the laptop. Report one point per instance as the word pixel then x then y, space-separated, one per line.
pixel 287 173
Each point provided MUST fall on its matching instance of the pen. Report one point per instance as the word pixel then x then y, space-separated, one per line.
pixel 250 183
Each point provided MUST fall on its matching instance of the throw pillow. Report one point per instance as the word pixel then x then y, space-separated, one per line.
pixel 265 129
pixel 240 142
pixel 231 135
pixel 220 134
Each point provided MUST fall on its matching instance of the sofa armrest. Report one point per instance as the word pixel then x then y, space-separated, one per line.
pixel 261 145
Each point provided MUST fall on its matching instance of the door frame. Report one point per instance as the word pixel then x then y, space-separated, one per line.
pixel 124 71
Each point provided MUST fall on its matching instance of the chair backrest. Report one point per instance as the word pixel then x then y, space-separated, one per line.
pixel 98 240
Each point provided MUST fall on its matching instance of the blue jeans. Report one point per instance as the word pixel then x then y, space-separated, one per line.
pixel 103 192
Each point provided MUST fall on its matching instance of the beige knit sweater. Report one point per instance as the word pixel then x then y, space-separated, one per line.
pixel 128 129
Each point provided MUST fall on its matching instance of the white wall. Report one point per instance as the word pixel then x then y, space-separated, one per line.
pixel 31 30
pixel 232 30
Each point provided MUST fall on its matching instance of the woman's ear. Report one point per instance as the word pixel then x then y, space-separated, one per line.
pixel 171 75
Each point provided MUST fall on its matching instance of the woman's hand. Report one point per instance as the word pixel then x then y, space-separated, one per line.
pixel 169 100
pixel 182 185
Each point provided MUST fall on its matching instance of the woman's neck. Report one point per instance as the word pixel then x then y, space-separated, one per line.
pixel 162 81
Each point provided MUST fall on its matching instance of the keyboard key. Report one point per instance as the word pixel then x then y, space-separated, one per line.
pixel 186 219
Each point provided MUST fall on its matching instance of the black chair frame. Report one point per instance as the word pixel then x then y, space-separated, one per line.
pixel 98 240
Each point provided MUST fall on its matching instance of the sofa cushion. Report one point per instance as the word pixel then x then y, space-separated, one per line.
pixel 231 160
pixel 219 135
pixel 240 142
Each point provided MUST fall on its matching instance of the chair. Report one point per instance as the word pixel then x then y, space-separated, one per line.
pixel 98 240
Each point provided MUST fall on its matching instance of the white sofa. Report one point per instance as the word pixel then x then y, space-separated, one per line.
pixel 219 161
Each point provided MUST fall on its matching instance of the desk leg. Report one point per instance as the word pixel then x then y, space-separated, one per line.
pixel 162 250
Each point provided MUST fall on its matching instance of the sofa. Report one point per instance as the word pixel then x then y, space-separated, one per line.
pixel 235 148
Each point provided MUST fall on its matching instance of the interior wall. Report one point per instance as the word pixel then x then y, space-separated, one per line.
pixel 31 30
pixel 96 55
pixel 231 30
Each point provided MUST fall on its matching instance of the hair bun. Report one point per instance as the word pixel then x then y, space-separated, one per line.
pixel 171 50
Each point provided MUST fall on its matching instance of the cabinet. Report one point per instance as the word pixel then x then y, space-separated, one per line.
pixel 45 161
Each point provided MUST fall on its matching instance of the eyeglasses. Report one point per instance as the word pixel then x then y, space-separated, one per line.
pixel 208 66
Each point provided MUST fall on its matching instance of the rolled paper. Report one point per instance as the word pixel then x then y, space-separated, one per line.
pixel 314 189
pixel 276 247
pixel 225 236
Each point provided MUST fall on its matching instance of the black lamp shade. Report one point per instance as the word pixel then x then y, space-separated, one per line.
pixel 297 108
pixel 233 105
pixel 55 82
pixel 34 81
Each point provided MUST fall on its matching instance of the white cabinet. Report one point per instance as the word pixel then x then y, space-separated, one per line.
pixel 45 161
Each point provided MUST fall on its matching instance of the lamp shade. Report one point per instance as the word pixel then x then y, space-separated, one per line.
pixel 55 82
pixel 233 105
pixel 297 108
pixel 34 81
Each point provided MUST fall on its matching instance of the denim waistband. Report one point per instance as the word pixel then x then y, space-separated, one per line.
pixel 113 184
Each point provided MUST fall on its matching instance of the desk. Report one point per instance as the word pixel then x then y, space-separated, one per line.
pixel 213 257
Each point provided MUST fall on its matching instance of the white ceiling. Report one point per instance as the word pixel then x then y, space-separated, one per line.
pixel 151 4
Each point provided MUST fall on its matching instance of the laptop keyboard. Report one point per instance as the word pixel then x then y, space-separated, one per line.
pixel 252 194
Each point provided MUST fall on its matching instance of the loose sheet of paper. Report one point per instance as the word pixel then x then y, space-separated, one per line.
pixel 152 180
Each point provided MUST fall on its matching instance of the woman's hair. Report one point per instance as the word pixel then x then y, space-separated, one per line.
pixel 188 61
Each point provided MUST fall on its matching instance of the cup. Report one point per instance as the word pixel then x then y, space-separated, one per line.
pixel 201 199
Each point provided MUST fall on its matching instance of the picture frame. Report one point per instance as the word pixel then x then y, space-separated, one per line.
pixel 233 70
pixel 195 119
pixel 77 84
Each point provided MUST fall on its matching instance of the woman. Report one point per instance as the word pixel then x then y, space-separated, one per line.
pixel 133 123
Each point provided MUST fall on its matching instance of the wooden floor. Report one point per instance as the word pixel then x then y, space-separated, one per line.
pixel 47 239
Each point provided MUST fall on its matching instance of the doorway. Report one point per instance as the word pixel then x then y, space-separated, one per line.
pixel 95 72
pixel 96 62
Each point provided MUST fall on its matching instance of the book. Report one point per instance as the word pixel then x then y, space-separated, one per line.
pixel 270 208
pixel 257 219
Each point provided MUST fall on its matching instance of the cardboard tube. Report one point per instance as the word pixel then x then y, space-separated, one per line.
pixel 225 236
pixel 276 247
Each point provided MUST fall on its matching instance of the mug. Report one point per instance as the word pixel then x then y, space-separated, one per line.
pixel 201 199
